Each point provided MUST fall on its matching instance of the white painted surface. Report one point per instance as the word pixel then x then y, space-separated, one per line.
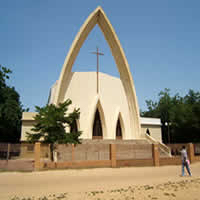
pixel 111 102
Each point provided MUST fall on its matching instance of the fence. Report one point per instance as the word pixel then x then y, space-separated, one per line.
pixel 110 155
pixel 37 156
pixel 69 156
pixel 176 148
pixel 83 152
pixel 96 155
pixel 19 157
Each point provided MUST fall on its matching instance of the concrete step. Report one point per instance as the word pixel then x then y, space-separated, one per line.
pixel 108 141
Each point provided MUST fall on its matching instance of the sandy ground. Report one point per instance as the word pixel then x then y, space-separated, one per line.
pixel 139 183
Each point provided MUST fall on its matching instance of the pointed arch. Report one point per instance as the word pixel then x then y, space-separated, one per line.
pixel 118 131
pixel 122 127
pixel 99 17
pixel 97 106
pixel 97 132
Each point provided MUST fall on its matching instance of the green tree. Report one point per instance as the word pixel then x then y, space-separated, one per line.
pixel 51 123
pixel 186 118
pixel 10 110
pixel 180 116
pixel 161 109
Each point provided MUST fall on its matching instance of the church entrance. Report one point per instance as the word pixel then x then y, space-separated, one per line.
pixel 97 127
pixel 118 131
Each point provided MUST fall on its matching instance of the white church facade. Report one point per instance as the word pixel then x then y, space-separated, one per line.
pixel 108 105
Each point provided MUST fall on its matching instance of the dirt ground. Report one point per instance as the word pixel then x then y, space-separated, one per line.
pixel 139 183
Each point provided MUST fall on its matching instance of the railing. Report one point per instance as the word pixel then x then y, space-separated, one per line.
pixel 161 145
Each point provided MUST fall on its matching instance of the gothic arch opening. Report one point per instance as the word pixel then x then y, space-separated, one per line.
pixel 97 132
pixel 120 130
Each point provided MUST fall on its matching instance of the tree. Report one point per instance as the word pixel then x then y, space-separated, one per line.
pixel 51 123
pixel 180 116
pixel 162 110
pixel 10 110
pixel 186 118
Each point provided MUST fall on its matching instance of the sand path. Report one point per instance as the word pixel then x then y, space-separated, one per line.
pixel 77 182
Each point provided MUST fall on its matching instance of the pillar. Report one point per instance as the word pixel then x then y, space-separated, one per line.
pixel 113 155
pixel 191 152
pixel 155 154
pixel 37 155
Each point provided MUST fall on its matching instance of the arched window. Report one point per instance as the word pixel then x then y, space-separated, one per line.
pixel 118 130
pixel 73 127
pixel 97 128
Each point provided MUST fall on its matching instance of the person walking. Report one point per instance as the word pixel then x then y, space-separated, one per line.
pixel 185 161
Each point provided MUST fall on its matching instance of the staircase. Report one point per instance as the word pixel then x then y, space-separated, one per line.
pixel 163 149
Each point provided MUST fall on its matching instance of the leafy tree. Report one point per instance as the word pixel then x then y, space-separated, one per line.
pixel 186 118
pixel 180 116
pixel 51 123
pixel 10 110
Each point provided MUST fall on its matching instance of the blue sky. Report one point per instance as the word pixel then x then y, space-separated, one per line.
pixel 161 40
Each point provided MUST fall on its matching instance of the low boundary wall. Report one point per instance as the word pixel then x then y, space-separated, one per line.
pixel 75 164
pixel 17 157
pixel 116 158
pixel 17 165
pixel 92 156
pixel 135 162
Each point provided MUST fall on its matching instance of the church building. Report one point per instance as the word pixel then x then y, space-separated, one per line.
pixel 108 105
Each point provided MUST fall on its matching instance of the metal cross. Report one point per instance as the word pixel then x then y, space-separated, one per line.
pixel 98 54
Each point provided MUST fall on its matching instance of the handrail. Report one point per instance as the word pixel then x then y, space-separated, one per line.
pixel 161 145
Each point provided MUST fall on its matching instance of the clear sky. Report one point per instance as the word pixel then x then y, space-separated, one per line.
pixel 161 40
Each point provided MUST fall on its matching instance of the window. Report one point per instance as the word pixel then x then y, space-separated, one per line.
pixel 118 130
pixel 97 128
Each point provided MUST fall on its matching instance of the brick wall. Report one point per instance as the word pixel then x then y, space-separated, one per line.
pixel 100 155
pixel 197 149
pixel 197 158
pixel 135 162
pixel 136 151
pixel 92 152
pixel 91 155
pixel 64 152
pixel 176 148
pixel 45 152
pixel 27 151
pixel 170 161
pixel 17 165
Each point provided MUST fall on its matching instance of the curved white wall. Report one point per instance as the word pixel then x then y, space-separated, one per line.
pixel 111 101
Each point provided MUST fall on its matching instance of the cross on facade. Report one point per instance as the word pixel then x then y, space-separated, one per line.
pixel 98 54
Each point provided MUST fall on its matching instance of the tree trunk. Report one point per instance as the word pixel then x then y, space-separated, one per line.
pixel 51 151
